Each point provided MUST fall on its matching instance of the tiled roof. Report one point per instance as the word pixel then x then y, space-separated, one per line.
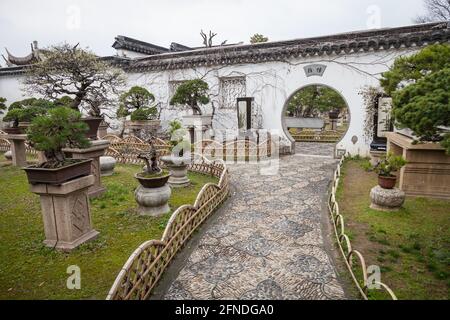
pixel 345 43
pixel 122 42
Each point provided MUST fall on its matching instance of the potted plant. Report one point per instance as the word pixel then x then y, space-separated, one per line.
pixel 152 176
pixel 138 104
pixel 389 164
pixel 77 78
pixel 153 193
pixel 93 120
pixel 51 133
pixel 21 113
pixel 193 93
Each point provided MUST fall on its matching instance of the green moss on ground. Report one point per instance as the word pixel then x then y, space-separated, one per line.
pixel 29 270
pixel 411 246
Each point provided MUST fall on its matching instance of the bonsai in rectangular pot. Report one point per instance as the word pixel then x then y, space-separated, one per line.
pixel 59 129
pixel 139 104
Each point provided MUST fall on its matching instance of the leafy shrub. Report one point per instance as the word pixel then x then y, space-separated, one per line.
pixel 137 102
pixel 144 114
pixel 420 88
pixel 192 93
pixel 178 139
pixel 26 110
pixel 59 129
pixel 389 164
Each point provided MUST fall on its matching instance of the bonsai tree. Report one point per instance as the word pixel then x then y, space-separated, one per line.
pixel 26 110
pixel 77 73
pixel 420 89
pixel 137 103
pixel 389 164
pixel 2 105
pixel 59 129
pixel 192 93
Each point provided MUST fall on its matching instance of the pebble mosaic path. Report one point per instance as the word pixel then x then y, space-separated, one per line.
pixel 268 243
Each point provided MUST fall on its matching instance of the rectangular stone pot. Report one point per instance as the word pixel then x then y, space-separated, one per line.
pixel 58 176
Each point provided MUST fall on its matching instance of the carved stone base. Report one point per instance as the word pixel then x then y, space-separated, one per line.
pixel 178 171
pixel 94 152
pixel 66 213
pixel 153 201
pixel 386 199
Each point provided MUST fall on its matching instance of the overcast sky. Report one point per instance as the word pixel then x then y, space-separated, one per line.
pixel 95 23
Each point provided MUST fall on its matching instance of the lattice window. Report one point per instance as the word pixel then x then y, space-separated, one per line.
pixel 231 88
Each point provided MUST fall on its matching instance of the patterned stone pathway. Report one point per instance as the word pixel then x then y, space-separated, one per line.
pixel 268 241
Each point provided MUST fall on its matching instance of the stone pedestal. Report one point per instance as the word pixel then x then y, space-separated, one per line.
pixel 94 152
pixel 153 201
pixel 66 213
pixel 178 171
pixel 427 173
pixel 107 165
pixel 19 158
pixel 386 199
pixel 198 126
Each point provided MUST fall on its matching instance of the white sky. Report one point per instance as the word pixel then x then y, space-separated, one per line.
pixel 95 23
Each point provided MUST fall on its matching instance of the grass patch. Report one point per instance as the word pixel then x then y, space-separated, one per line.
pixel 411 246
pixel 29 270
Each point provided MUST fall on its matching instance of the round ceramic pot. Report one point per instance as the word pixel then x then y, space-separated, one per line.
pixel 387 182
pixel 152 182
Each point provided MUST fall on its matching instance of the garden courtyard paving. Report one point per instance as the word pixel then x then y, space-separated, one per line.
pixel 268 241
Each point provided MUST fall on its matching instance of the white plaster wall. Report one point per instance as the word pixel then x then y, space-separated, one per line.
pixel 271 84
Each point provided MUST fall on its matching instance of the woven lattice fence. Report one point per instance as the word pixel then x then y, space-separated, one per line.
pixel 236 150
pixel 316 136
pixel 351 256
pixel 145 266
pixel 5 145
pixel 126 150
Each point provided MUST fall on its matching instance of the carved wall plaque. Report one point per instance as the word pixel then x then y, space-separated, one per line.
pixel 315 70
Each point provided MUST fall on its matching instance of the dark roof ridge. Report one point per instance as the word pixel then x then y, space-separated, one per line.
pixel 376 39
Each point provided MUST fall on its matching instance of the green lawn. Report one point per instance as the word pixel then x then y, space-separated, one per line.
pixel 411 246
pixel 29 270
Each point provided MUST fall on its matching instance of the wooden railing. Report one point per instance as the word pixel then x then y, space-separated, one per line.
pixel 145 266
pixel 350 254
